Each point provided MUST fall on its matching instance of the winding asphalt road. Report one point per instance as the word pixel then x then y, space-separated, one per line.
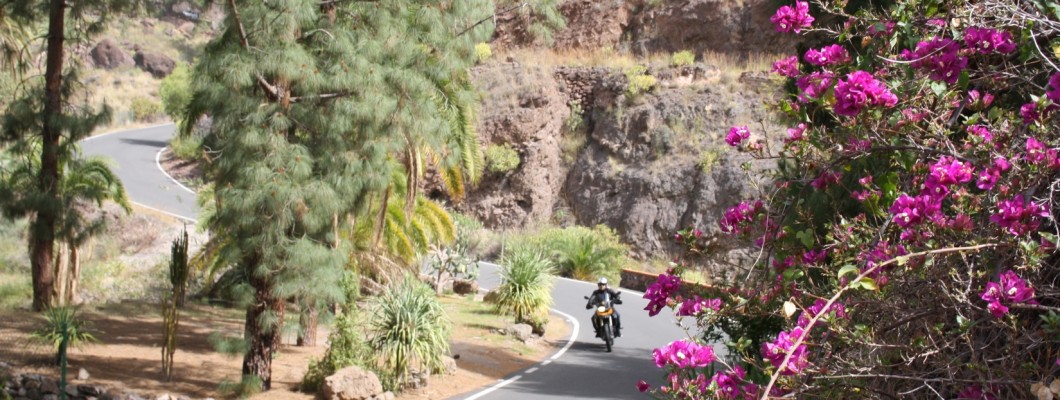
pixel 580 370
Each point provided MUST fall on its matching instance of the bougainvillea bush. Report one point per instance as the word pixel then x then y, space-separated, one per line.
pixel 908 246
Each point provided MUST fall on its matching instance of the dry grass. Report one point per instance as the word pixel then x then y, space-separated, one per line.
pixel 608 57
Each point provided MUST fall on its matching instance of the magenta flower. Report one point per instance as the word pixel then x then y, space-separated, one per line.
pixel 987 40
pixel 948 171
pixel 975 392
pixel 737 134
pixel 981 131
pixel 1053 94
pixel 738 215
pixel 1019 217
pixel 861 90
pixel 1010 289
pixel 827 56
pixel 696 305
pixel 811 257
pixel 779 348
pixel 826 179
pixel 1029 112
pixel 939 56
pixel 728 383
pixel 795 134
pixel 643 386
pixel 882 28
pixel 1036 151
pixel 978 101
pixel 814 85
pixel 683 354
pixel 788 19
pixel 788 67
pixel 658 293
pixel 817 309
pixel 910 211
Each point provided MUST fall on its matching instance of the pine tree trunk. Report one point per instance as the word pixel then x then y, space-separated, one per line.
pixel 62 274
pixel 42 237
pixel 309 321
pixel 73 297
pixel 263 339
pixel 380 224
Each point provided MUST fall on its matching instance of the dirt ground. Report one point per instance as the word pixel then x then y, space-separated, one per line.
pixel 128 356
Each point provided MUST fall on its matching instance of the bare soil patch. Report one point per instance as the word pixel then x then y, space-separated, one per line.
pixel 129 355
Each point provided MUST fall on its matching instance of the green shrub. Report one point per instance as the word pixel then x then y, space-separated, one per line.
pixel 526 287
pixel 347 347
pixel 408 328
pixel 683 58
pixel 576 119
pixel 16 290
pixel 186 147
pixel 638 80
pixel 248 386
pixel 144 109
pixel 175 91
pixel 483 52
pixel 501 159
pixel 580 252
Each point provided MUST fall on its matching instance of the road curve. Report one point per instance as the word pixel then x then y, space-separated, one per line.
pixel 582 370
pixel 135 153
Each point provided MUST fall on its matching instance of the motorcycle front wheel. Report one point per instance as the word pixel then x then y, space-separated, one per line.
pixel 609 337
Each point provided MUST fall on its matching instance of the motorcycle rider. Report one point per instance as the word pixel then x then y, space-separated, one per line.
pixel 601 289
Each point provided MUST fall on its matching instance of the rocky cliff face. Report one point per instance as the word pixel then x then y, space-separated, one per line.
pixel 646 166
pixel 654 26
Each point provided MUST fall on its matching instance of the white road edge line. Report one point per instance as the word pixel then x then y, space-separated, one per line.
pixel 158 163
pixel 192 220
pixel 125 130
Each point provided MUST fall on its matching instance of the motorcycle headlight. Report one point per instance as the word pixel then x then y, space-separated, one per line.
pixel 601 309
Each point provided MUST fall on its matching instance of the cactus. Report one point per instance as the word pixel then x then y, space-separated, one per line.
pixel 178 268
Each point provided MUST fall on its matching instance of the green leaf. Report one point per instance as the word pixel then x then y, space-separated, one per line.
pixel 939 88
pixel 806 237
pixel 868 283
pixel 902 260
pixel 848 269
pixel 962 81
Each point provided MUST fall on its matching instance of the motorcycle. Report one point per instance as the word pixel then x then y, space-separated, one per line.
pixel 604 309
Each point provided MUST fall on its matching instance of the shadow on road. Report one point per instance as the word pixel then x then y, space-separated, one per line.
pixel 146 143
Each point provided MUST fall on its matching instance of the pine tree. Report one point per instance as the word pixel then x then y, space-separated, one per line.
pixel 44 121
pixel 309 100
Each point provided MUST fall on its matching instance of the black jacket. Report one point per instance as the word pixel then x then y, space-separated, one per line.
pixel 613 295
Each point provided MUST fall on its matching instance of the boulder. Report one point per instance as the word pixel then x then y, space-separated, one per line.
pixel 523 332
pixel 352 383
pixel 463 287
pixel 108 55
pixel 448 365
pixel 82 374
pixel 156 64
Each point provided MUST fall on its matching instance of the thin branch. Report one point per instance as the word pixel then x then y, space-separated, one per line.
pixel 492 16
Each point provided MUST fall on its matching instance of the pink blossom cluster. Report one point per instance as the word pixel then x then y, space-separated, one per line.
pixel 737 135
pixel 988 40
pixel 825 179
pixel 814 85
pixel 1019 217
pixel 976 392
pixel 790 19
pixel 861 90
pixel 683 354
pixel 787 67
pixel 1009 289
pixel 947 172
pixel 882 252
pixel 796 134
pixel 827 56
pixel 981 131
pixel 1029 112
pixel 1053 94
pixel 940 57
pixel 817 309
pixel 1038 153
pixel 659 292
pixel 989 176
pixel 811 257
pixel 738 216
pixel 776 350
pixel 696 305
pixel 909 211
pixel 729 385
pixel 978 101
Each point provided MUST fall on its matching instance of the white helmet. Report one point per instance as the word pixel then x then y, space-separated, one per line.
pixel 602 281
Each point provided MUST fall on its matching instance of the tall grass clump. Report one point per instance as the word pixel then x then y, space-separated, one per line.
pixel 62 323
pixel 579 252
pixel 408 329
pixel 683 58
pixel 526 287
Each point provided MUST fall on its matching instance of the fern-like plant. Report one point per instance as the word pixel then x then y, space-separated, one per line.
pixel 62 329
pixel 526 287
pixel 408 328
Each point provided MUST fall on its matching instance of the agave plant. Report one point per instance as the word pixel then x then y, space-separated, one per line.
pixel 526 287
pixel 408 328
pixel 62 329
